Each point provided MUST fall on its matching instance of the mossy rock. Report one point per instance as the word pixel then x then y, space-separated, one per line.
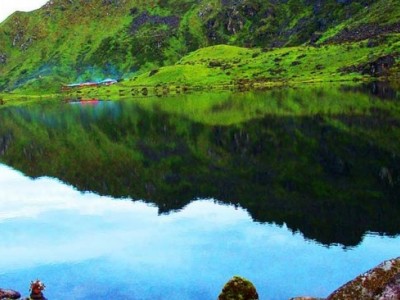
pixel 9 294
pixel 381 282
pixel 238 288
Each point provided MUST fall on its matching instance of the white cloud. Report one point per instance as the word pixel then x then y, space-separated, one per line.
pixel 49 229
pixel 7 7
pixel 36 197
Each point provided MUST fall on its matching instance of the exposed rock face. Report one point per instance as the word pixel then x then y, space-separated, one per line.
pixel 9 294
pixel 5 140
pixel 380 283
pixel 3 59
pixel 238 288
pixel 364 32
pixel 146 18
pixel 108 2
pixel 392 290
pixel 381 66
pixel 36 290
pixel 306 298
pixel 37 297
pixel 378 68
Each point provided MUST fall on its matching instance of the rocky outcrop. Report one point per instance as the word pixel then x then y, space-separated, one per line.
pixel 238 288
pixel 37 288
pixel 306 298
pixel 3 59
pixel 381 66
pixel 364 32
pixel 392 290
pixel 146 18
pixel 5 140
pixel 377 68
pixel 9 294
pixel 21 36
pixel 380 283
pixel 109 2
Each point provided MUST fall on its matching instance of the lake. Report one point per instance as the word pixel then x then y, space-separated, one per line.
pixel 168 198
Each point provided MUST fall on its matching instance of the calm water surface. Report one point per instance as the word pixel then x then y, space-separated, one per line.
pixel 168 198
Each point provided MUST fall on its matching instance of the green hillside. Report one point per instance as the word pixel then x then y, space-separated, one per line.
pixel 296 40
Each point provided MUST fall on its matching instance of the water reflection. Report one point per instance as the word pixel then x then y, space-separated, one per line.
pixel 382 90
pixel 324 162
pixel 84 246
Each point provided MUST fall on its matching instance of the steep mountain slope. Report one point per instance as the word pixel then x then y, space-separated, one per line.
pixel 72 40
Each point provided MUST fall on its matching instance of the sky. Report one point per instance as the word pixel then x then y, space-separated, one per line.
pixel 7 7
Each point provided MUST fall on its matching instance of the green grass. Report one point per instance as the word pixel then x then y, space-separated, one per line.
pixel 64 45
pixel 230 65
pixel 381 13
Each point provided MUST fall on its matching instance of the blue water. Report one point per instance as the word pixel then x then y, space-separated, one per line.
pixel 84 246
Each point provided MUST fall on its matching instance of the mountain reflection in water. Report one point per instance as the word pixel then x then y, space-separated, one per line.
pixel 85 246
pixel 324 162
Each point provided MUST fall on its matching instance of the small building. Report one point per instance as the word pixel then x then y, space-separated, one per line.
pixel 108 81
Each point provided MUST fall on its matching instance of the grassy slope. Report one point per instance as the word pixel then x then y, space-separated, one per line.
pixel 290 64
pixel 231 65
pixel 382 12
pixel 58 38
pixel 62 43
pixel 302 63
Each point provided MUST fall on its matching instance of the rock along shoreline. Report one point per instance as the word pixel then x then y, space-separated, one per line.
pixel 379 283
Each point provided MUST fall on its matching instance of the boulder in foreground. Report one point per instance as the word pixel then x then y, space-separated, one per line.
pixel 379 283
pixel 238 288
pixel 9 294
pixel 306 298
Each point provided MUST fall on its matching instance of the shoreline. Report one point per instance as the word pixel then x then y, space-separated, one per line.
pixel 121 91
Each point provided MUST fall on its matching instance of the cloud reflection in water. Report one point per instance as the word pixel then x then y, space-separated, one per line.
pixel 99 247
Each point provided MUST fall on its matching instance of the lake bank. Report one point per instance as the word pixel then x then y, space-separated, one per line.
pixel 380 282
pixel 122 91
pixel 239 68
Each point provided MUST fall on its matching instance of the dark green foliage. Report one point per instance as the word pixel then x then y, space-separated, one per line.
pixel 310 158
